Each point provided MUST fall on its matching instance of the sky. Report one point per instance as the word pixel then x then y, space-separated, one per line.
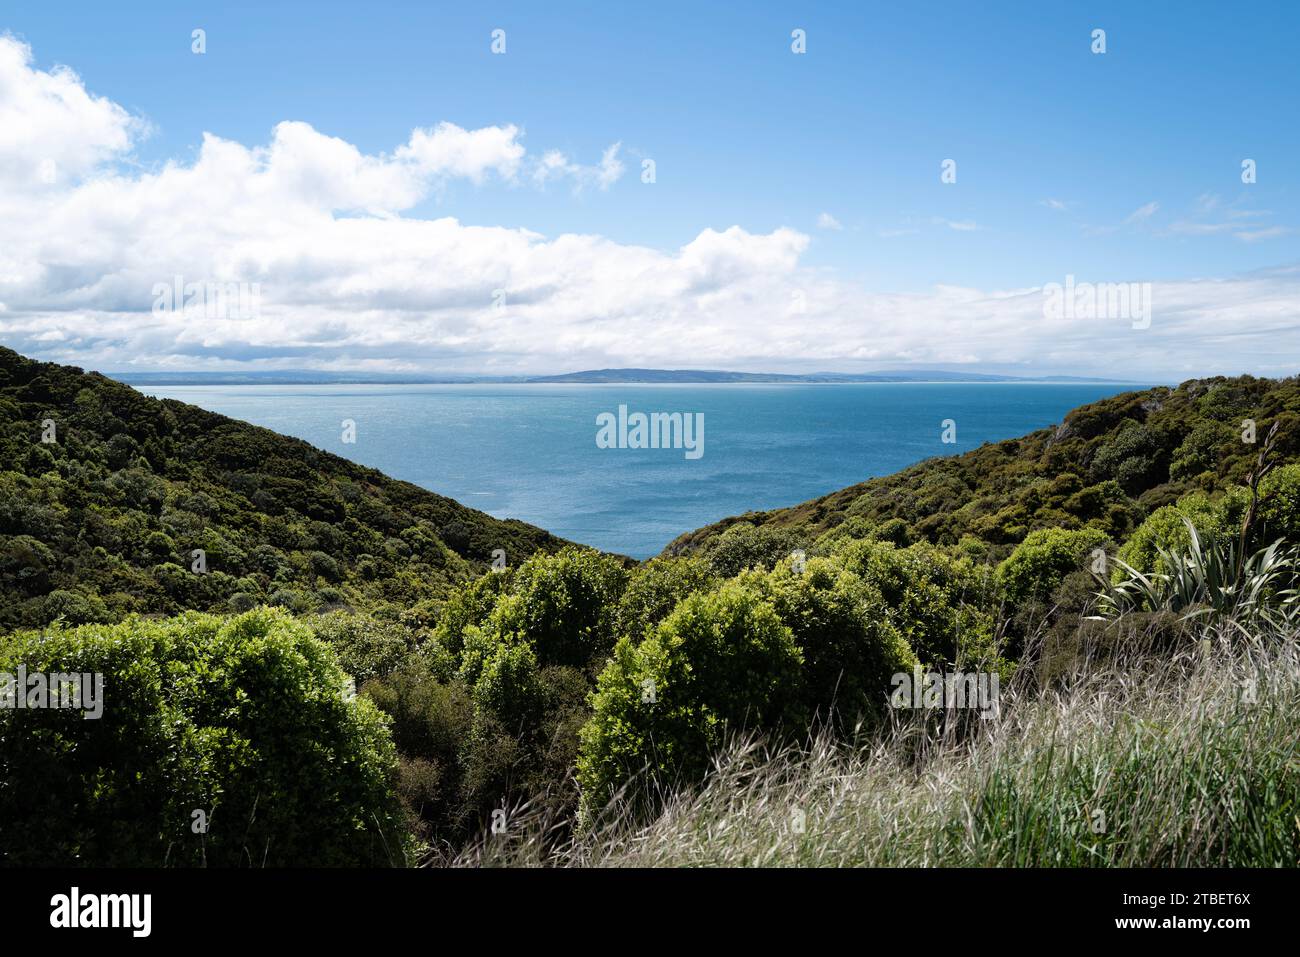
pixel 659 185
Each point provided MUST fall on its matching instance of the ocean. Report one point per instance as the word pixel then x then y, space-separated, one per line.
pixel 531 451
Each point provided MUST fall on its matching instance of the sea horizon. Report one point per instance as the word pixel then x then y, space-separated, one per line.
pixel 766 445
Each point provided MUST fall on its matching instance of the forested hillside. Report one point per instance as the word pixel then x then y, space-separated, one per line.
pixel 1108 466
pixel 102 518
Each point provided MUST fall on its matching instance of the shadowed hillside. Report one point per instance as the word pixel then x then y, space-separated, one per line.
pixel 103 520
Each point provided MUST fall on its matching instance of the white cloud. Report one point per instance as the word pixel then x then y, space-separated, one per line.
pixel 1142 213
pixel 827 221
pixel 1056 204
pixel 348 281
pixel 1265 232
pixel 555 165
pixel 51 116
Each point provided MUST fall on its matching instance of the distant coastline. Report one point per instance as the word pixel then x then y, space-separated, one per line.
pixel 596 376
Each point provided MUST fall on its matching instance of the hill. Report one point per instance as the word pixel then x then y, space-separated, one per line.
pixel 103 517
pixel 719 376
pixel 599 376
pixel 1107 466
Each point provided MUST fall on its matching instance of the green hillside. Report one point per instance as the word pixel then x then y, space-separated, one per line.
pixel 104 520
pixel 1108 466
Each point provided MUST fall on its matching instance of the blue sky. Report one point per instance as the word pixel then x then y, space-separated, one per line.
pixel 1124 166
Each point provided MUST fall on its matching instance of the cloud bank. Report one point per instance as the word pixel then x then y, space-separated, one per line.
pixel 347 278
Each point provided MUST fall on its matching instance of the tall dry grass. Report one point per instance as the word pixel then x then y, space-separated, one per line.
pixel 1183 760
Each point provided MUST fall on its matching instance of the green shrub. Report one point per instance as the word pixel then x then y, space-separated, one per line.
pixel 469 605
pixel 1040 563
pixel 654 590
pixel 1165 529
pixel 73 608
pixel 937 604
pixel 842 625
pixel 245 718
pixel 721 662
pixel 366 647
pixel 745 546
pixel 1280 504
pixel 1202 450
pixel 563 605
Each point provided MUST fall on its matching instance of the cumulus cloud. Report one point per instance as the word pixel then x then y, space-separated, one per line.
pixel 346 277
pixel 50 117
pixel 827 221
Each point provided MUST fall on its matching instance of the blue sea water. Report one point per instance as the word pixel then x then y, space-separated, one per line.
pixel 530 452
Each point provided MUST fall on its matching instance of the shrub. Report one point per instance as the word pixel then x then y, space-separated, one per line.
pixel 469 605
pixel 563 605
pixel 1280 504
pixel 722 661
pixel 935 603
pixel 842 625
pixel 73 608
pixel 245 718
pixel 1039 564
pixel 745 546
pixel 366 647
pixel 1166 529
pixel 654 590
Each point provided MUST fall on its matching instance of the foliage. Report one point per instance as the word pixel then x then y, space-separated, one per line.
pixel 103 522
pixel 938 605
pixel 1213 578
pixel 722 661
pixel 1043 559
pixel 1166 530
pixel 1280 503
pixel 745 546
pixel 851 645
pixel 243 718
pixel 655 588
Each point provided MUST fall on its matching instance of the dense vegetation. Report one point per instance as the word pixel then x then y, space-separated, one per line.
pixel 572 689
pixel 1108 466
pixel 1147 761
pixel 106 494
pixel 222 741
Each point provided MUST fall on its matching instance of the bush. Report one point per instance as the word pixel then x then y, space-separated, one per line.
pixel 245 718
pixel 721 662
pixel 431 720
pixel 1165 529
pixel 744 546
pixel 366 647
pixel 469 605
pixel 654 590
pixel 73 608
pixel 1040 563
pixel 1280 504
pixel 842 625
pixel 563 605
pixel 935 603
